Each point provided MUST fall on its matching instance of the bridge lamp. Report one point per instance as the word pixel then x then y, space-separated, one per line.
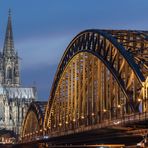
pixel 45 129
pixel 92 114
pixel 139 100
pixel 36 131
pixel 74 120
pixel 82 117
pixel 104 110
pixel 66 122
pixel 119 106
pixel 116 122
pixel 40 130
pixel 60 124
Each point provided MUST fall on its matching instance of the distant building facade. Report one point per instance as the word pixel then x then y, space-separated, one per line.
pixel 14 99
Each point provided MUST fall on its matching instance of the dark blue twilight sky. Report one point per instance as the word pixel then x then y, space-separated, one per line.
pixel 43 29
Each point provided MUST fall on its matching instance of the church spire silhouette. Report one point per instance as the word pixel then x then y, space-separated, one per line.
pixel 8 43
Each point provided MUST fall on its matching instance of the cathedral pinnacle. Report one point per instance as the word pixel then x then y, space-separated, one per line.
pixel 10 61
pixel 9 13
pixel 8 43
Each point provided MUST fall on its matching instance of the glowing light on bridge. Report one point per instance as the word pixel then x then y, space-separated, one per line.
pixel 101 78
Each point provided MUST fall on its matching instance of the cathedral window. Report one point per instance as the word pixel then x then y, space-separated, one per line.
pixel 2 113
pixel 10 117
pixel 9 73
pixel 22 112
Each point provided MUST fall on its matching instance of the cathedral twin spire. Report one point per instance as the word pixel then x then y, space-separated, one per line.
pixel 9 61
pixel 8 43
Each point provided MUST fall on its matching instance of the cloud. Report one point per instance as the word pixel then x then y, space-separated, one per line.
pixel 40 58
pixel 44 50
pixel 43 31
pixel 41 77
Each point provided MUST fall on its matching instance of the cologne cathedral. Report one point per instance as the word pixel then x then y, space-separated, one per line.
pixel 14 98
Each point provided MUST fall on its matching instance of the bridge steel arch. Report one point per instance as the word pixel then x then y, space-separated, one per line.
pixel 100 77
pixel 32 125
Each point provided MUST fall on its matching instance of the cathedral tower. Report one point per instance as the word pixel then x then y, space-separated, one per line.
pixel 10 63
pixel 14 99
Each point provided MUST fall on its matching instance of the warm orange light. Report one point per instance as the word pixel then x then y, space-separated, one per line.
pixel 82 117
pixel 66 122
pixel 119 106
pixel 60 124
pixel 104 110
pixel 139 100
pixel 74 120
pixel 92 114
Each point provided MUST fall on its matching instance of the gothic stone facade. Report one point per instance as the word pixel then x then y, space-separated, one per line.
pixel 14 99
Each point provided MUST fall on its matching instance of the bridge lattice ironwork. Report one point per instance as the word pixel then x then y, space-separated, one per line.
pixel 102 77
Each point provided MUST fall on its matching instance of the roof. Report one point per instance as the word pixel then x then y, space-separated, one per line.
pixel 18 92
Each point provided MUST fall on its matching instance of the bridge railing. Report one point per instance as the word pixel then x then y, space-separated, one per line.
pixel 135 117
pixel 125 120
pixel 34 136
pixel 48 133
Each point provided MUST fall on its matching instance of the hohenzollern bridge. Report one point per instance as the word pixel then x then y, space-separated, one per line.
pixel 99 93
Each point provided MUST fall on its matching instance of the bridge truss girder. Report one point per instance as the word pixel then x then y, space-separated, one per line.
pixel 32 126
pixel 111 71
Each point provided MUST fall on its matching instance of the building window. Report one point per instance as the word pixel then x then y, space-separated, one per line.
pixel 9 73
pixel 10 117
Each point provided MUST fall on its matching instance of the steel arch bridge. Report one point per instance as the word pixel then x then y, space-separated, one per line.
pixel 102 77
pixel 100 71
pixel 32 126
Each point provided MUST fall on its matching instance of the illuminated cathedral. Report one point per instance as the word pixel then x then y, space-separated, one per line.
pixel 14 98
